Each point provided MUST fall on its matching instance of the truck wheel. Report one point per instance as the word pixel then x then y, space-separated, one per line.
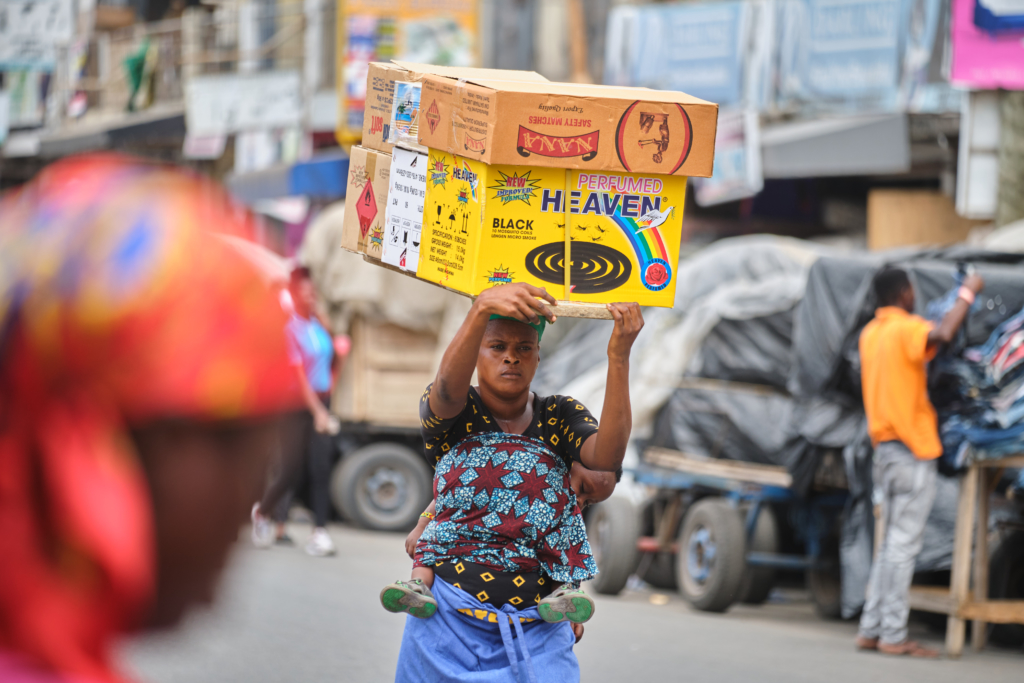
pixel 613 528
pixel 758 581
pixel 711 560
pixel 1006 582
pixel 655 569
pixel 384 486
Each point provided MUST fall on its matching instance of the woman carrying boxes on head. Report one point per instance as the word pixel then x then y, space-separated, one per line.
pixel 513 470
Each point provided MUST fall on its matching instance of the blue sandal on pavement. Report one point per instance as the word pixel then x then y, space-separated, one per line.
pixel 567 604
pixel 412 597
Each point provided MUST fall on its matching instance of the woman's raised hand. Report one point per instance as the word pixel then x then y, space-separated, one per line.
pixel 628 323
pixel 518 300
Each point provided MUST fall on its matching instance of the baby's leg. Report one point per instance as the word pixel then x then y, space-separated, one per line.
pixel 568 603
pixel 424 574
pixel 413 597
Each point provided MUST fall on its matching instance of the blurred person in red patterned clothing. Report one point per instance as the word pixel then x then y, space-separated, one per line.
pixel 142 370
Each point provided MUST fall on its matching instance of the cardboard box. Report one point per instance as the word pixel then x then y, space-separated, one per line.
pixel 494 224
pixel 564 125
pixel 380 91
pixel 369 173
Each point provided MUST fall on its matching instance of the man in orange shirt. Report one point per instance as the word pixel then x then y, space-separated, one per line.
pixel 895 349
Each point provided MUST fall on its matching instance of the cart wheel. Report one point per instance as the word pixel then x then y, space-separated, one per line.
pixel 384 486
pixel 826 586
pixel 1006 582
pixel 613 527
pixel 711 555
pixel 758 581
pixel 655 569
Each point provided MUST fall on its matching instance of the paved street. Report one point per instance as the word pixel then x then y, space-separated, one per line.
pixel 285 617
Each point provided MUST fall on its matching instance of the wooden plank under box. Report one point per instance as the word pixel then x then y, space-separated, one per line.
pixel 746 472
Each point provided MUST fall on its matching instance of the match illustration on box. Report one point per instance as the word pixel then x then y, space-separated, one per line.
pixel 645 135
pixel 661 143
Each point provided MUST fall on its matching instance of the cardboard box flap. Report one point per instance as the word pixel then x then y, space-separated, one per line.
pixel 380 89
pixel 468 73
pixel 583 90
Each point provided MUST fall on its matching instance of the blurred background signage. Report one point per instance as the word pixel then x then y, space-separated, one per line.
pixel 219 104
pixel 31 30
pixel 699 50
pixel 841 50
pixel 737 160
pixel 423 31
pixel 988 44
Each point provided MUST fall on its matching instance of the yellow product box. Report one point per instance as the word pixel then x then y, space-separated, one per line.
pixel 493 224
pixel 366 197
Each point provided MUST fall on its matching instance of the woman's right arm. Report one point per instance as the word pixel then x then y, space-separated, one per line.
pixel 451 386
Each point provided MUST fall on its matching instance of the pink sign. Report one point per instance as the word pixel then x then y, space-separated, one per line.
pixel 981 60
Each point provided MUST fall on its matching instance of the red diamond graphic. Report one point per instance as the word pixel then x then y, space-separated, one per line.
pixel 433 116
pixel 366 208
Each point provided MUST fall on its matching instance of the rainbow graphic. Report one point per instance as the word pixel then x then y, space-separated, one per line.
pixel 651 253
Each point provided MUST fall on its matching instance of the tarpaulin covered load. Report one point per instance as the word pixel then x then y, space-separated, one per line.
pixel 838 303
pixel 732 320
pixel 725 420
pixel 754 351
pixel 735 279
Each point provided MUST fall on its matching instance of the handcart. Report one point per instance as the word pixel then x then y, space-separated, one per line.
pixel 719 530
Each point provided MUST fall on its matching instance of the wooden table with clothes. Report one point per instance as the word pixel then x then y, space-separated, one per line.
pixel 961 601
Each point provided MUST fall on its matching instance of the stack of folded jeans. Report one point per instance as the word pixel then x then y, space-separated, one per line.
pixel 979 395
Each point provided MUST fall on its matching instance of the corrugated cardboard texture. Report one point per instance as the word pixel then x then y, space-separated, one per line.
pixel 485 225
pixel 380 91
pixel 564 125
pixel 369 172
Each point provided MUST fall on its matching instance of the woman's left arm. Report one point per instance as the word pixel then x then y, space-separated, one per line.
pixel 605 450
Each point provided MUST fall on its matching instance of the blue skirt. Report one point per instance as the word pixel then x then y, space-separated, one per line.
pixel 497 648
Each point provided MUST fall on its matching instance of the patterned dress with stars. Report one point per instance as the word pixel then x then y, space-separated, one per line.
pixel 504 501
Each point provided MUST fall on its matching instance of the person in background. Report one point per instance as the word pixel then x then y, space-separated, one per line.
pixel 309 448
pixel 895 348
pixel 142 373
